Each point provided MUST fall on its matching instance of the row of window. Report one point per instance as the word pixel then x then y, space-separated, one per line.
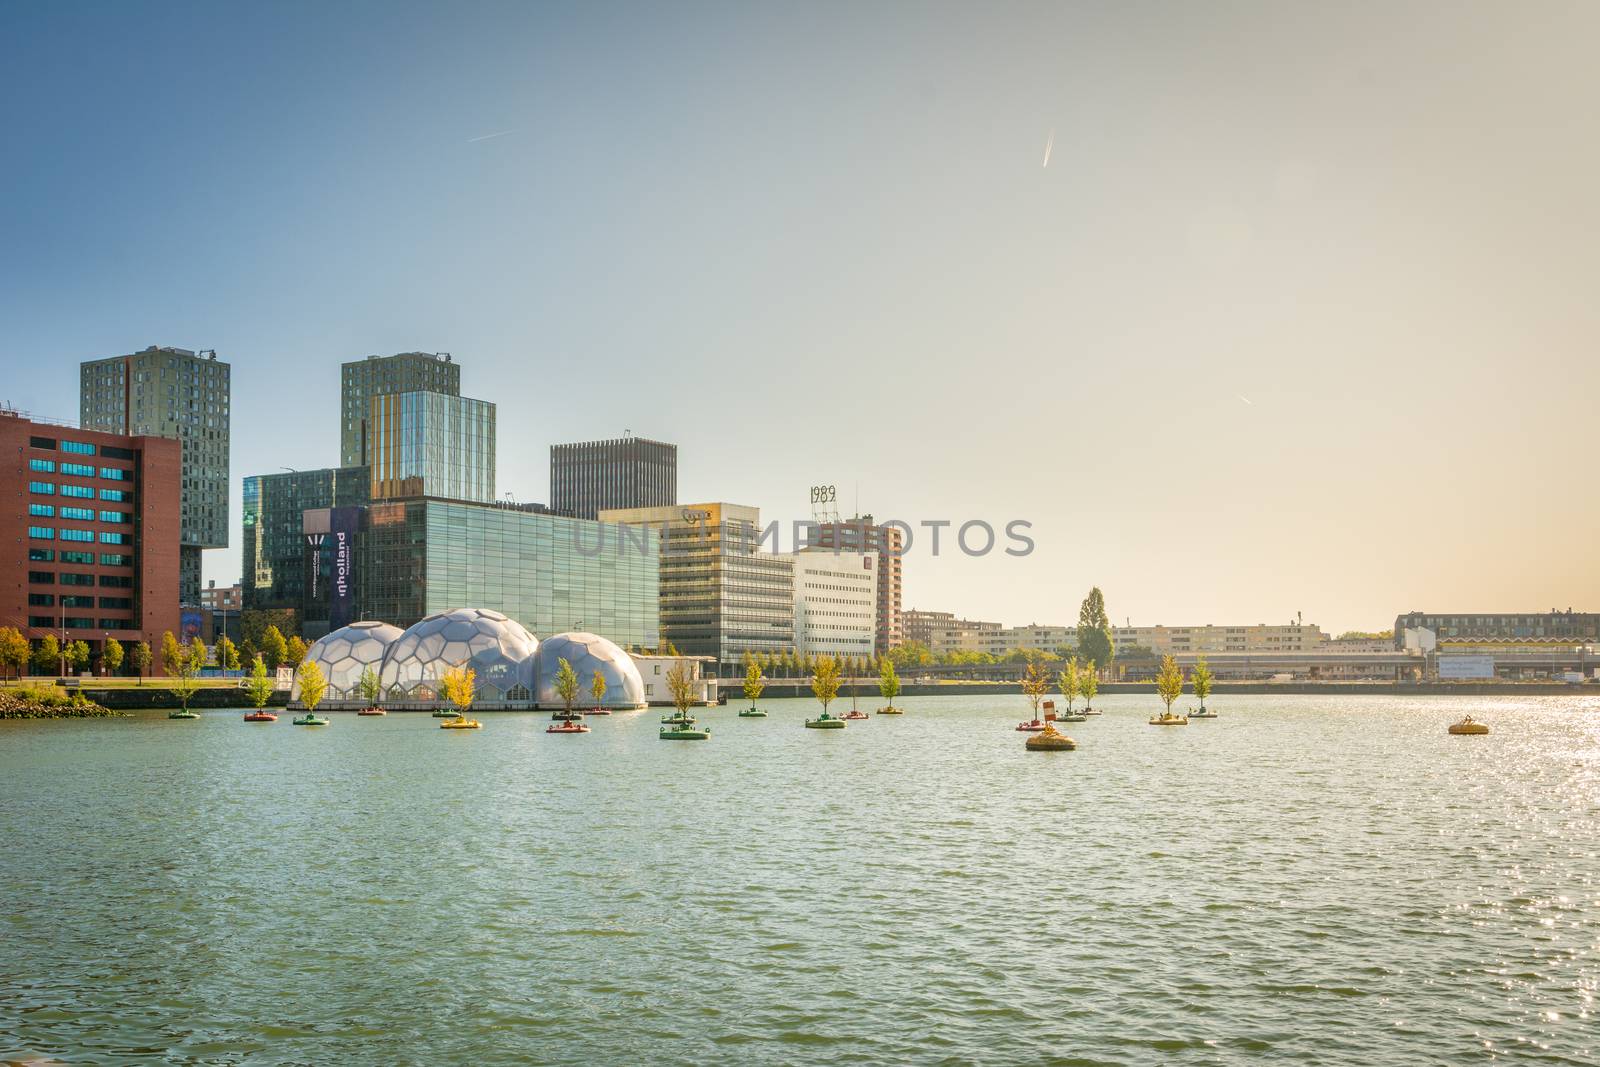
pixel 74 622
pixel 72 470
pixel 110 581
pixel 107 603
pixel 107 559
pixel 48 511
pixel 49 533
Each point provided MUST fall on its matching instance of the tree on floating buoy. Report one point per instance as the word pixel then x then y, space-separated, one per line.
pixel 1071 684
pixel 1035 683
pixel 1169 683
pixel 460 685
pixel 888 682
pixel 567 685
pixel 825 680
pixel 754 680
pixel 312 685
pixel 1088 683
pixel 1201 677
pixel 680 685
pixel 597 686
pixel 259 685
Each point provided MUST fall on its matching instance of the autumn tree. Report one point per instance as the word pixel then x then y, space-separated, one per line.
pixel 825 680
pixel 888 681
pixel 313 685
pixel 1169 683
pixel 111 656
pixel 1201 678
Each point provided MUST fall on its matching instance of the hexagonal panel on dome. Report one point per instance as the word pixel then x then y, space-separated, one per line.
pixel 345 653
pixel 500 650
pixel 587 653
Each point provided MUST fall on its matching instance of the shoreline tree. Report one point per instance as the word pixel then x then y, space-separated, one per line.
pixel 111 656
pixel 274 648
pixel 77 655
pixel 47 655
pixel 14 650
pixel 1094 630
pixel 141 659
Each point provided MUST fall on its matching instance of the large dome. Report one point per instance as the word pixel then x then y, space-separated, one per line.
pixel 344 654
pixel 588 653
pixel 498 649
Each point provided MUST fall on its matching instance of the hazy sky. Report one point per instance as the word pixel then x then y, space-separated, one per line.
pixel 1301 316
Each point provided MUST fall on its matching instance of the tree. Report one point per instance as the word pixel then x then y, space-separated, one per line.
pixel 597 686
pixel 313 685
pixel 253 625
pixel 1169 683
pixel 1201 677
pixel 888 681
pixel 680 685
pixel 825 680
pixel 368 687
pixel 47 655
pixel 182 670
pixel 911 654
pixel 1094 630
pixel 754 681
pixel 111 656
pixel 460 685
pixel 197 654
pixel 567 685
pixel 76 654
pixel 141 659
pixel 227 654
pixel 1088 684
pixel 1071 682
pixel 295 650
pixel 14 650
pixel 669 649
pixel 259 686
pixel 248 651
pixel 274 648
pixel 1035 683
pixel 171 654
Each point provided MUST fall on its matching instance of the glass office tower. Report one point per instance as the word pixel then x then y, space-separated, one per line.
pixel 431 444
pixel 361 380
pixel 274 568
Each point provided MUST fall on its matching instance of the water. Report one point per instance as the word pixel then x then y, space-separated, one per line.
pixel 1306 879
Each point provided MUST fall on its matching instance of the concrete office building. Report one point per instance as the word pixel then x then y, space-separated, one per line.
pixel 183 395
pixel 431 444
pixel 589 477
pixel 836 602
pixel 860 534
pixel 273 569
pixel 1181 640
pixel 361 380
pixel 720 596
pixel 92 534
pixel 1558 627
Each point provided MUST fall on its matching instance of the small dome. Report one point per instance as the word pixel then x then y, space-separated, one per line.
pixel 588 653
pixel 499 650
pixel 344 654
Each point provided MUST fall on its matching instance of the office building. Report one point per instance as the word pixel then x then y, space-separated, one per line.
pixel 183 395
pixel 861 534
pixel 594 476
pixel 224 598
pixel 1183 640
pixel 1520 628
pixel 273 568
pixel 431 444
pixel 720 596
pixel 90 539
pixel 411 558
pixel 363 379
pixel 836 603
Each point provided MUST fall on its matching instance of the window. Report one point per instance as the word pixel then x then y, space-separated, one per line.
pixel 78 514
pixel 82 492
pixel 42 533
pixel 113 452
pixel 41 622
pixel 112 560
pixel 77 557
pixel 115 474
pixel 77 535
pixel 116 496
pixel 42 577
pixel 114 539
pixel 76 623
pixel 116 603
pixel 42 488
pixel 74 578
pixel 115 581
pixel 45 466
pixel 113 516
pixel 46 510
pixel 78 470
pixel 77 448
pixel 41 600
pixel 41 555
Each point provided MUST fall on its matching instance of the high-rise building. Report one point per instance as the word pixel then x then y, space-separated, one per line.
pixel 431 444
pixel 589 477
pixel 273 571
pixel 184 395
pixel 835 603
pixel 860 534
pixel 91 535
pixel 363 379
pixel 417 556
pixel 720 595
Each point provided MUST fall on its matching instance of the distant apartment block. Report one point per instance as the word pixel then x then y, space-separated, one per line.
pixel 1558 627
pixel 361 380
pixel 589 477
pixel 861 534
pixel 182 395
pixel 222 598
pixel 1258 637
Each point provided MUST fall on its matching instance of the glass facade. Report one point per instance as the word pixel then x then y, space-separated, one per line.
pixel 550 573
pixel 274 566
pixel 431 444
pixel 363 379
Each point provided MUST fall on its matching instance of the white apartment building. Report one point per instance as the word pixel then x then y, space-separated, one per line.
pixel 835 602
pixel 1290 637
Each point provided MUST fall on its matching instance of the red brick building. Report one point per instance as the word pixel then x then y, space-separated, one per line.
pixel 89 530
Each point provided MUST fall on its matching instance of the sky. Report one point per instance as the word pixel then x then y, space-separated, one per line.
pixel 1299 317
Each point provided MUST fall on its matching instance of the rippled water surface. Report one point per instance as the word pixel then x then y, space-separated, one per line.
pixel 1306 879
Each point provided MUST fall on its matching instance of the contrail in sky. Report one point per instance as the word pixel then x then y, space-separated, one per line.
pixel 1048 144
pixel 489 136
pixel 1247 400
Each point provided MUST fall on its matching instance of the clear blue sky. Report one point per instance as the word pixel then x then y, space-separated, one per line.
pixel 1300 316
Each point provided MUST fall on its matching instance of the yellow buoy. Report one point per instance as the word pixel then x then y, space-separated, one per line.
pixel 1050 740
pixel 1468 726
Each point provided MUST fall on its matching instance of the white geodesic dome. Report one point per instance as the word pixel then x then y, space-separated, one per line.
pixel 588 653
pixel 344 654
pixel 498 649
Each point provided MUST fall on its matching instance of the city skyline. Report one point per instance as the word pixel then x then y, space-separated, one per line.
pixel 1273 385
